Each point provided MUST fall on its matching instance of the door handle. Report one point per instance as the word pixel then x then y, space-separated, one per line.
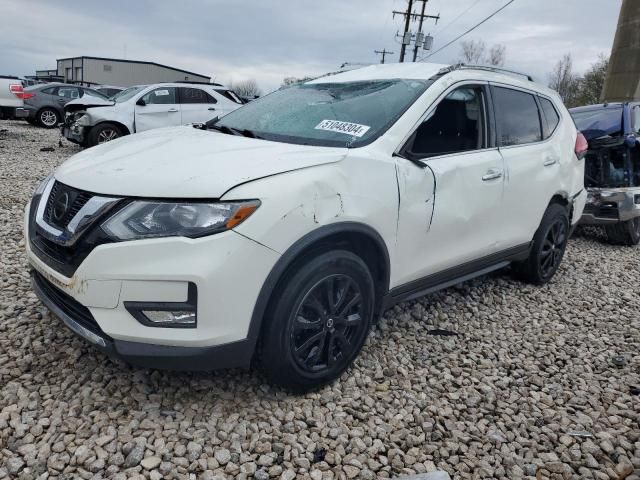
pixel 550 161
pixel 172 110
pixel 491 175
pixel 211 108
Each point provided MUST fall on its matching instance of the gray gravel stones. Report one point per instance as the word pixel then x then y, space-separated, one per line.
pixel 526 388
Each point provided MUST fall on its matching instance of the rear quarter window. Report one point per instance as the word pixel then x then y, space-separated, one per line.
pixel 517 117
pixel 551 115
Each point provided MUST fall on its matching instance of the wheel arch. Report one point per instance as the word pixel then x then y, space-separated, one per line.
pixel 356 237
pixel 123 128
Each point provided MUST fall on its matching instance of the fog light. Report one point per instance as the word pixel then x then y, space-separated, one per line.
pixel 178 317
pixel 167 314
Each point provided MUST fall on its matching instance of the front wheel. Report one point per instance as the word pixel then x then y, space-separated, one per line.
pixel 624 233
pixel 547 248
pixel 318 321
pixel 103 133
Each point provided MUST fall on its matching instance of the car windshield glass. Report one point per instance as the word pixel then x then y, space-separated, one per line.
pixel 125 95
pixel 348 114
pixel 599 122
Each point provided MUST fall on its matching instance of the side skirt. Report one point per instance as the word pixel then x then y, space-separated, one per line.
pixel 455 275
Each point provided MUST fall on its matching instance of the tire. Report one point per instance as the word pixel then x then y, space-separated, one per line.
pixel 624 233
pixel 311 336
pixel 48 118
pixel 103 133
pixel 547 249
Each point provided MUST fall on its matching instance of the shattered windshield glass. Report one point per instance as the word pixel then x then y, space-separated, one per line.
pixel 348 114
pixel 599 122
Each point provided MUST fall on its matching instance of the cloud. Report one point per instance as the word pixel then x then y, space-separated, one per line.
pixel 270 40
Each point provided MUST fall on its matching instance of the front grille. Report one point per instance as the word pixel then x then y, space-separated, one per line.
pixel 63 259
pixel 608 210
pixel 69 306
pixel 63 204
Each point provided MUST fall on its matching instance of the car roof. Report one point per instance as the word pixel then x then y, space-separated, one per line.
pixel 184 84
pixel 597 106
pixel 427 71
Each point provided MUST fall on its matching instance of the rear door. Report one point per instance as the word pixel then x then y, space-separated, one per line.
pixel 157 108
pixel 532 163
pixel 197 106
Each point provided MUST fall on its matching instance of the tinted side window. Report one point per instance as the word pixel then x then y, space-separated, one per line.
pixel 195 95
pixel 161 96
pixel 551 114
pixel 456 125
pixel 517 117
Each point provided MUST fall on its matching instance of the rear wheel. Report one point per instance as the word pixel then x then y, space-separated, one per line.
pixel 48 118
pixel 624 233
pixel 103 133
pixel 318 322
pixel 547 249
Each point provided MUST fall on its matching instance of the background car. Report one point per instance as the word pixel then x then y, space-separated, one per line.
pixel 612 168
pixel 11 97
pixel 92 121
pixel 45 103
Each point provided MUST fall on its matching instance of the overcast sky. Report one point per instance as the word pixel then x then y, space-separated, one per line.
pixel 268 40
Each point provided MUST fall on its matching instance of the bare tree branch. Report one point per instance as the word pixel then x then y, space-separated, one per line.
pixel 247 88
pixel 497 55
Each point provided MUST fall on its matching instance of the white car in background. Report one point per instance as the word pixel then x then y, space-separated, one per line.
pixel 93 121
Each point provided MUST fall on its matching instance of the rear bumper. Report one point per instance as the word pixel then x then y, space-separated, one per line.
pixel 14 112
pixel 234 354
pixel 606 207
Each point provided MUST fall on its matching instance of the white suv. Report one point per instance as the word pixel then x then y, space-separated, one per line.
pixel 90 121
pixel 279 234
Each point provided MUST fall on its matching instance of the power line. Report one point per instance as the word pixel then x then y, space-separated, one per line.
pixel 472 28
pixel 458 17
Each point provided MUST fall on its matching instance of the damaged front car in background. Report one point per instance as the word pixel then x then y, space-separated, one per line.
pixel 612 168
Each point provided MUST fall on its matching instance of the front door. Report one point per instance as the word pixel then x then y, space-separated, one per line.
pixel 450 210
pixel 157 108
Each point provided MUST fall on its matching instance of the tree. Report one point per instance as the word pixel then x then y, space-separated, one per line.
pixel 564 81
pixel 592 83
pixel 497 55
pixel 474 52
pixel 247 88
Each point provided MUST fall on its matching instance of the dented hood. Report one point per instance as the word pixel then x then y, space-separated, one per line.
pixel 86 102
pixel 185 162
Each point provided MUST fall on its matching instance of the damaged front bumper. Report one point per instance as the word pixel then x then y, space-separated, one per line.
pixel 609 206
pixel 74 133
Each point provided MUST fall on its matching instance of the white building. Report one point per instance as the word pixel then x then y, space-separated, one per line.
pixel 123 73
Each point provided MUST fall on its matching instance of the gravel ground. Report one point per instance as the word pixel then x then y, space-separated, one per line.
pixel 529 386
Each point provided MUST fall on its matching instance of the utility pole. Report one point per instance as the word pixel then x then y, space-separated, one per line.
pixel 383 52
pixel 419 38
pixel 407 18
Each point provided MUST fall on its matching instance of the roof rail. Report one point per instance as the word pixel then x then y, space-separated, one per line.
pixel 488 68
pixel 199 83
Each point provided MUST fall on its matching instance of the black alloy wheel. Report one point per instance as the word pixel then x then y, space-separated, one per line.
pixel 327 325
pixel 553 247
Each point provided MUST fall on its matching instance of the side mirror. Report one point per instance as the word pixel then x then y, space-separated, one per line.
pixel 141 102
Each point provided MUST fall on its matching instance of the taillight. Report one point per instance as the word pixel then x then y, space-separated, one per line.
pixel 19 92
pixel 581 146
pixel 27 95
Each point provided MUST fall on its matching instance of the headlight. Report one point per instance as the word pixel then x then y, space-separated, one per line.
pixel 83 120
pixel 152 219
pixel 40 188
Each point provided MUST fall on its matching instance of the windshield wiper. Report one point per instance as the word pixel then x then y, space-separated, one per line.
pixel 223 129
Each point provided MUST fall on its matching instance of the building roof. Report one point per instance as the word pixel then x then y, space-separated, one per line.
pixel 135 61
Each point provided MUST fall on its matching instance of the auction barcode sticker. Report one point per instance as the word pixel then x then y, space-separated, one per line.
pixel 348 128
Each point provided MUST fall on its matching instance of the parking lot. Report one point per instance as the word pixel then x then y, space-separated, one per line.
pixel 491 379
